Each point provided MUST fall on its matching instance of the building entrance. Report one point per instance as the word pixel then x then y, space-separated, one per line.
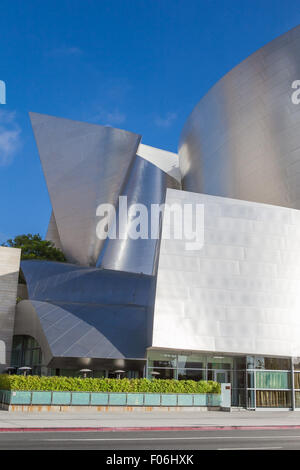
pixel 221 376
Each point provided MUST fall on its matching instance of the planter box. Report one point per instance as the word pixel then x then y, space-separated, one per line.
pixel 55 398
pixel 41 398
pixel 99 399
pixel 152 399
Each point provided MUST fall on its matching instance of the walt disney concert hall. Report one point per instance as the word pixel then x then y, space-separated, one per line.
pixel 229 311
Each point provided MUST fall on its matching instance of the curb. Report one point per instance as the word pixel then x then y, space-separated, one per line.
pixel 151 428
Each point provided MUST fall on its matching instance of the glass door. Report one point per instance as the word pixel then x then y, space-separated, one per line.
pixel 222 376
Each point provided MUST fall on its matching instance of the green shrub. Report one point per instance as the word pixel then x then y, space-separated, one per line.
pixel 34 382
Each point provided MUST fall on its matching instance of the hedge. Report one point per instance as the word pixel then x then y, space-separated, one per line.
pixel 34 382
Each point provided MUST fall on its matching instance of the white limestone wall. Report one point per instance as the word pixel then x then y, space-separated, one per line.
pixel 9 273
pixel 241 292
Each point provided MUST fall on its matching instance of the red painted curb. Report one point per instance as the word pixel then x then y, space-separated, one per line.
pixel 152 428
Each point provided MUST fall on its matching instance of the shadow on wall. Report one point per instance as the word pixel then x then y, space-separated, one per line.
pixel 8 296
pixel 22 292
pixel 2 355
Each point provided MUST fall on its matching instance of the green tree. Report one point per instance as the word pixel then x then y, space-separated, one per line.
pixel 33 247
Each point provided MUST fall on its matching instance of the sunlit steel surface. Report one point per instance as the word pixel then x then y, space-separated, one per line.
pixel 240 292
pixel 52 232
pixel 166 161
pixel 84 165
pixel 146 184
pixel 77 312
pixel 242 140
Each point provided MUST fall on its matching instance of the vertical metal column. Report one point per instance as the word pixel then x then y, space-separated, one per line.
pixel 255 387
pixel 293 386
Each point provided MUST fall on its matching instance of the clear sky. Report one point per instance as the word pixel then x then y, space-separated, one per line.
pixel 139 65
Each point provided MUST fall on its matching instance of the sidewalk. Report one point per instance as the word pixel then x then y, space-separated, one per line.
pixel 147 421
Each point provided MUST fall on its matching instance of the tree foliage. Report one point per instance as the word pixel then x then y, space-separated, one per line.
pixel 33 247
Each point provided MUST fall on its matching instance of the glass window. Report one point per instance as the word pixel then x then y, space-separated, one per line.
pixel 272 379
pixel 76 373
pixel 30 343
pixel 26 352
pixel 259 363
pixel 16 358
pixel 296 362
pixel 251 399
pixel 238 397
pixel 275 363
pixel 216 362
pixel 273 399
pixel 272 363
pixel 250 362
pixel 250 379
pixel 239 363
pixel 161 359
pixel 36 370
pixel 218 365
pixel 163 373
pixel 191 361
pixel 191 374
pixel 27 357
pixel 67 372
pixel 132 374
pixel 36 356
pixel 239 379
pixel 99 374
pixel 210 375
pixel 297 380
pixel 297 399
pixel 17 342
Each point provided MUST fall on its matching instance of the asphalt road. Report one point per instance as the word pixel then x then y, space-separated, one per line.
pixel 280 439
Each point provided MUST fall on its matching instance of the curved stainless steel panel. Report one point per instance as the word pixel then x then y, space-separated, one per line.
pixel 242 140
pixel 146 185
pixel 166 161
pixel 84 165
pixel 84 330
pixel 64 282
pixel 80 312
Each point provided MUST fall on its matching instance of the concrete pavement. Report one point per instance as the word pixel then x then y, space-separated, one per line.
pixel 147 420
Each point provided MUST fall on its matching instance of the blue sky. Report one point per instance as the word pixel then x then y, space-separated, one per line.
pixel 140 65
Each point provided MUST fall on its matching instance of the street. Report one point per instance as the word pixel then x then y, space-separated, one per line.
pixel 281 439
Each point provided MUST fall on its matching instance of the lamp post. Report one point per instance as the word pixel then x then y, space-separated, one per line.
pixel 85 372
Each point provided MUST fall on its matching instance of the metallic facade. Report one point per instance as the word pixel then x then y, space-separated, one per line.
pixel 239 157
pixel 77 312
pixel 98 164
pixel 84 165
pixel 242 139
pixel 166 161
pixel 97 309
pixel 239 294
pixel 146 185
